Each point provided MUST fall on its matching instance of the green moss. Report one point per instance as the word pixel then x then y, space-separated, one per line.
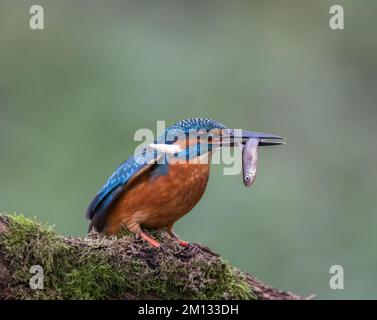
pixel 29 243
pixel 29 240
pixel 229 280
pixel 102 268
pixel 95 279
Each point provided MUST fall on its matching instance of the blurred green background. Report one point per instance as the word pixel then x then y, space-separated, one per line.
pixel 72 96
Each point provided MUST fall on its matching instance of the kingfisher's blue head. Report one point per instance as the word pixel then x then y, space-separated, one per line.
pixel 196 124
pixel 196 137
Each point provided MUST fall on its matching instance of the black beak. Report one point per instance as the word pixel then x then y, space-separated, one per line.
pixel 231 137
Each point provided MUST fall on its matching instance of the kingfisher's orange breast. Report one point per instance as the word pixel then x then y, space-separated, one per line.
pixel 157 202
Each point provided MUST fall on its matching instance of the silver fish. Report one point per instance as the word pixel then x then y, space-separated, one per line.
pixel 249 161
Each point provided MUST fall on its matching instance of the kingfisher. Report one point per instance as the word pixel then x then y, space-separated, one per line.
pixel 164 181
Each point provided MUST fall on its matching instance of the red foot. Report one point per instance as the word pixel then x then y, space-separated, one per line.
pixel 183 243
pixel 150 240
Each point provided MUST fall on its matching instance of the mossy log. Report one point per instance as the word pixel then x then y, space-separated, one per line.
pixel 117 268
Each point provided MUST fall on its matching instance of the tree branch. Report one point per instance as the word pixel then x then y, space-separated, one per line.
pixel 116 268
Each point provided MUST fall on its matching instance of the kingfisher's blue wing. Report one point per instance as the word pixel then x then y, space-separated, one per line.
pixel 98 208
pixel 119 178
